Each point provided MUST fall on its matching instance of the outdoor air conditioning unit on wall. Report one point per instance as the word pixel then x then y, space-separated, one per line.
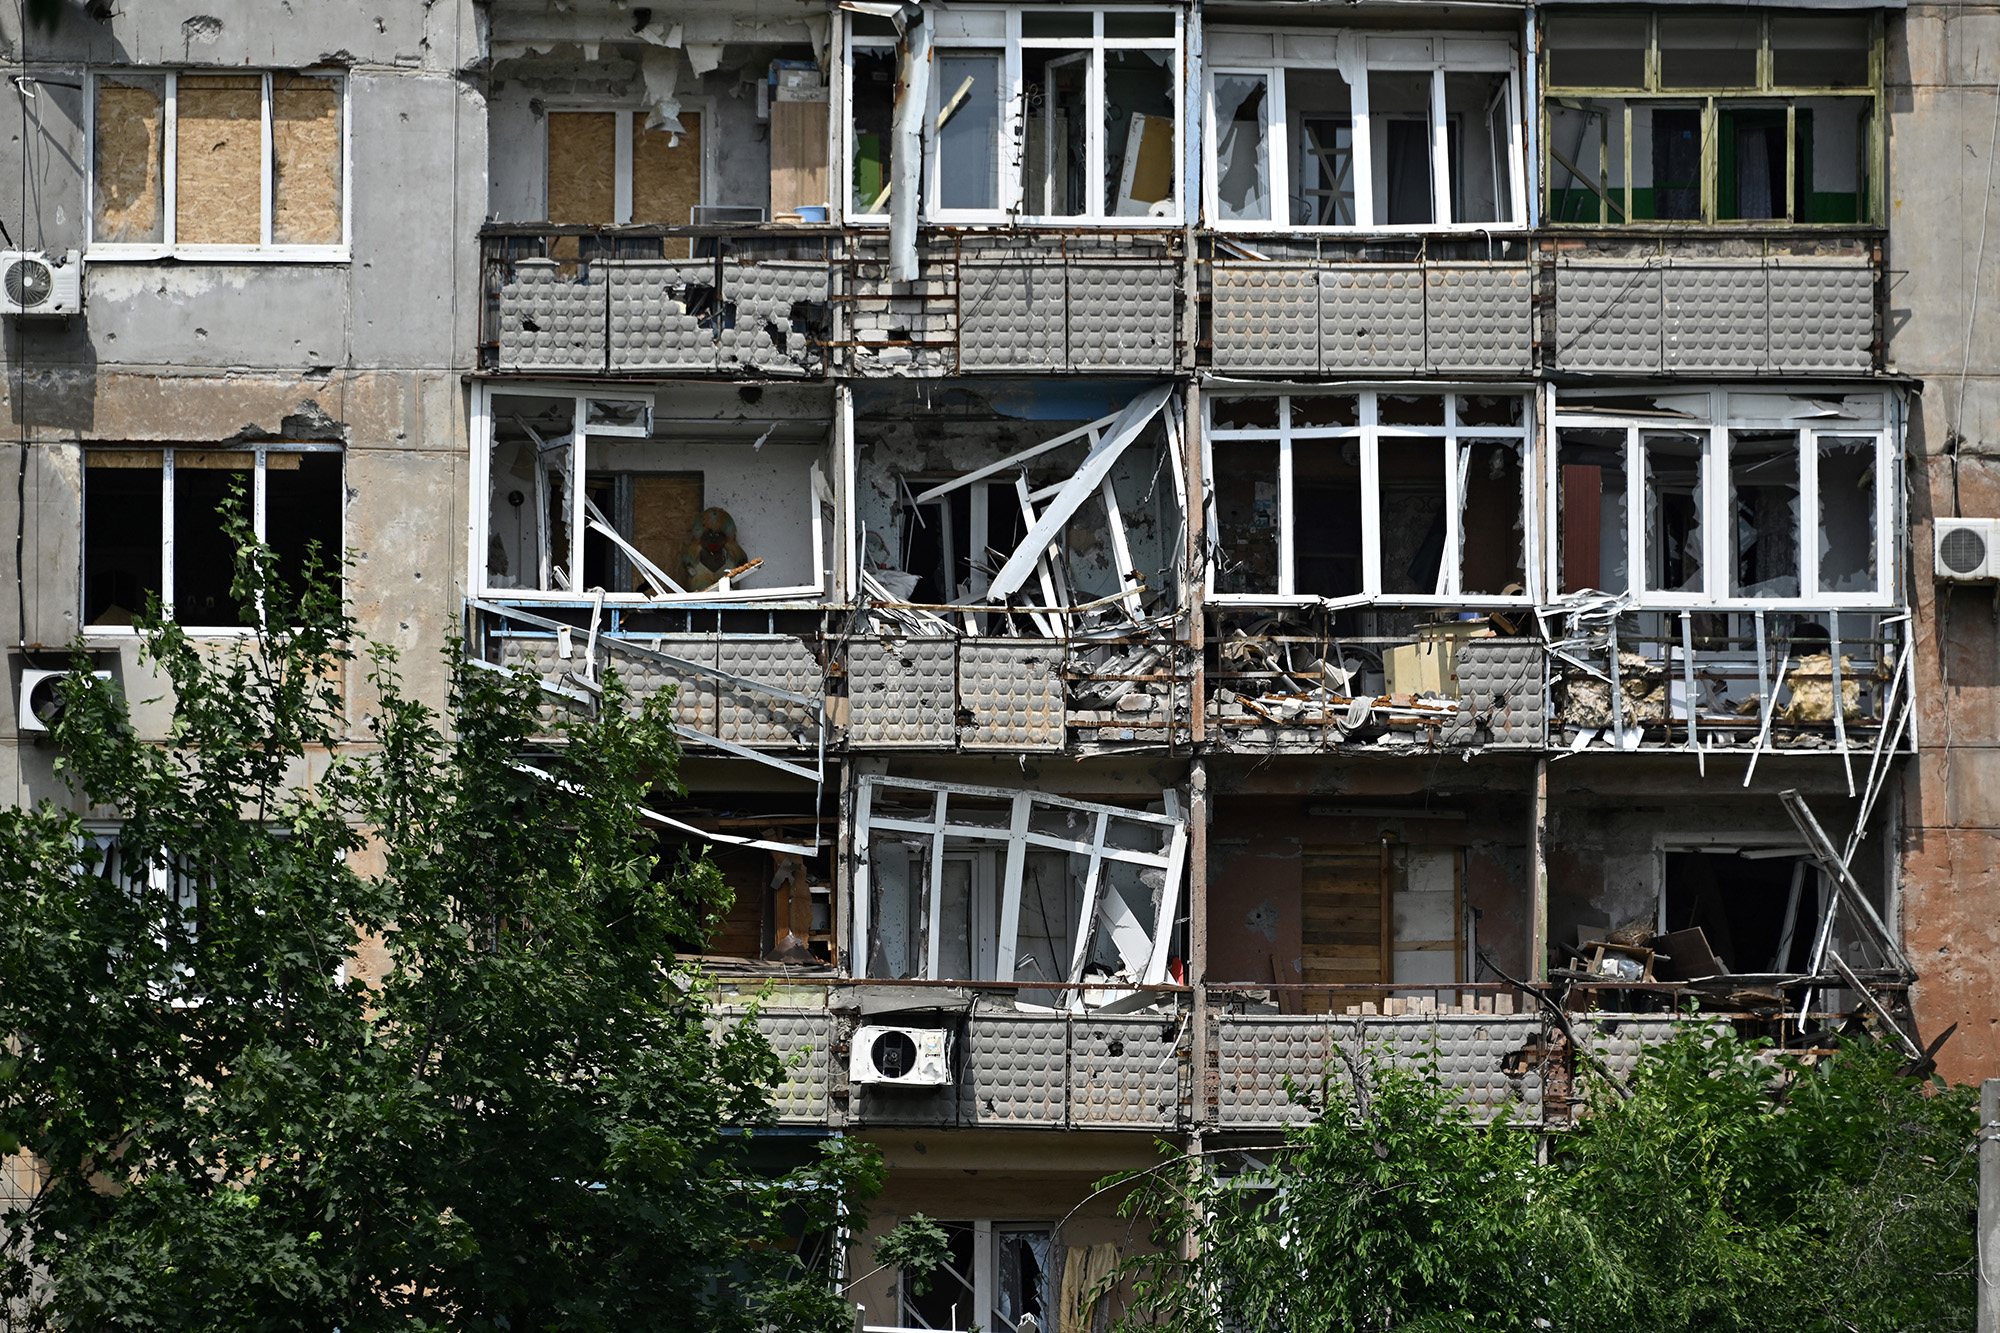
pixel 1968 549
pixel 900 1057
pixel 37 284
pixel 42 699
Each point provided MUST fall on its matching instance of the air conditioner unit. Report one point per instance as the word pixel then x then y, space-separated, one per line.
pixel 1968 549
pixel 905 1057
pixel 36 284
pixel 42 699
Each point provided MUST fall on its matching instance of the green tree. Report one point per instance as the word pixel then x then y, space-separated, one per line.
pixel 1734 1190
pixel 533 1121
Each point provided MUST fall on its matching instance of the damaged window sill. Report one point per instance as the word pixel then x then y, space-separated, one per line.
pixel 219 254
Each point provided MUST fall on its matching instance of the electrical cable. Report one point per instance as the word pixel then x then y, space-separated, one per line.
pixel 1972 311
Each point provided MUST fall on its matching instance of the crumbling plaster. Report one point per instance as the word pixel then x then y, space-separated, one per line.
pixel 437 34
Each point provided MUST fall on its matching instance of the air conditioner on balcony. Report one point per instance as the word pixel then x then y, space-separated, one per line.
pixel 1968 549
pixel 905 1057
pixel 37 284
pixel 42 701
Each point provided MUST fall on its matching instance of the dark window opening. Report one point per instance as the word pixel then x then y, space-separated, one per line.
pixel 1757 913
pixel 122 495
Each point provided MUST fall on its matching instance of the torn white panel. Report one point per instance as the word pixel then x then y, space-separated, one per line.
pixel 661 70
pixel 913 91
pixel 703 56
pixel 1094 469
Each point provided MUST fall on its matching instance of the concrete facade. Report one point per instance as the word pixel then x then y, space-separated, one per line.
pixel 1214 559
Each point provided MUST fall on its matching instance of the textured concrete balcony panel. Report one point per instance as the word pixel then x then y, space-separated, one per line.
pixel 1007 314
pixel 551 318
pixel 802 1097
pixel 900 693
pixel 1372 318
pixel 1258 1053
pixel 1701 316
pixel 1012 695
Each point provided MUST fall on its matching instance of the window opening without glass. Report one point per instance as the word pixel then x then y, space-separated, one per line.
pixel 150 527
pixel 1368 494
pixel 1347 129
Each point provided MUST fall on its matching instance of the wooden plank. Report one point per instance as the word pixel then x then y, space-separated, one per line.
pixel 798 157
pixel 666 176
pixel 1341 918
pixel 582 179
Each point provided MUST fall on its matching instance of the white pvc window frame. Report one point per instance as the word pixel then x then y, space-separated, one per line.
pixel 1436 54
pixel 839 429
pixel 1016 838
pixel 621 180
pixel 1718 529
pixel 168 247
pixel 258 517
pixel 970 29
pixel 1370 434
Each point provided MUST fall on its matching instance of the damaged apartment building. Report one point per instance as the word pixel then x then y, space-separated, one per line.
pixel 1183 535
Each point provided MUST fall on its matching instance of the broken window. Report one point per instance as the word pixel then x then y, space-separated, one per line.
pixel 1004 1268
pixel 605 167
pixel 150 527
pixel 590 492
pixel 200 162
pixel 1710 116
pixel 1798 483
pixel 1363 495
pixel 1350 129
pixel 984 884
pixel 1039 114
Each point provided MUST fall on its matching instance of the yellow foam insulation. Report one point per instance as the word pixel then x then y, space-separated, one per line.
pixel 582 166
pixel 664 507
pixel 305 160
pixel 666 181
pixel 126 178
pixel 122 458
pixel 219 162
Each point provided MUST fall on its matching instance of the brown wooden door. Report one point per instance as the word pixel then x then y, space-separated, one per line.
pixel 1345 918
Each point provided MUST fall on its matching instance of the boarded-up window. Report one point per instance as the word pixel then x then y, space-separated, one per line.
pixel 217 191
pixel 305 160
pixel 1341 896
pixel 253 159
pixel 129 195
pixel 666 176
pixel 583 166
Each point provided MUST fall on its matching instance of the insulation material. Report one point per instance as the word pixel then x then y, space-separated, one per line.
pixel 1642 694
pixel 126 181
pixel 305 160
pixel 1812 690
pixel 666 176
pixel 582 166
pixel 218 191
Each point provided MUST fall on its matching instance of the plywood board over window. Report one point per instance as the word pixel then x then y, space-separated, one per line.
pixel 305 160
pixel 666 175
pixel 583 166
pixel 798 157
pixel 1344 904
pixel 218 196
pixel 130 195
pixel 664 508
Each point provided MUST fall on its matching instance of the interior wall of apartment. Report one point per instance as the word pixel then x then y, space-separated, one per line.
pixel 1944 327
pixel 570 77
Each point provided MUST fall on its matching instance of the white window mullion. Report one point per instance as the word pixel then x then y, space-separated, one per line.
pixel 1809 513
pixel 1363 139
pixel 1011 187
pixel 257 494
pixel 1517 170
pixel 577 514
pixel 1287 563
pixel 1454 508
pixel 266 185
pixel 167 532
pixel 1637 557
pixel 1888 546
pixel 1440 153
pixel 170 136
pixel 1277 147
pixel 1718 535
pixel 621 167
pixel 1095 199
pixel 1371 501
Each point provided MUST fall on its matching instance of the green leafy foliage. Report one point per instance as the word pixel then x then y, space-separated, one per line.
pixel 1733 1191
pixel 918 1246
pixel 532 1119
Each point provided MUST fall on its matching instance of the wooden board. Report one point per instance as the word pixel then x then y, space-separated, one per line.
pixel 305 157
pixel 127 185
pixel 583 166
pixel 219 162
pixel 798 157
pixel 664 508
pixel 1343 916
pixel 666 177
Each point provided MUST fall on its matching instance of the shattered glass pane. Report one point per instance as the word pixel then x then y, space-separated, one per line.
pixel 1244 413
pixel 874 115
pixel 1246 507
pixel 1399 115
pixel 1846 531
pixel 1319 120
pixel 1325 410
pixel 1764 508
pixel 1591 514
pixel 1139 139
pixel 967 130
pixel 1492 518
pixel 1482 186
pixel 1326 504
pixel 1413 517
pixel 1411 409
pixel 1021 1279
pixel 1674 508
pixel 1055 167
pixel 1242 150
